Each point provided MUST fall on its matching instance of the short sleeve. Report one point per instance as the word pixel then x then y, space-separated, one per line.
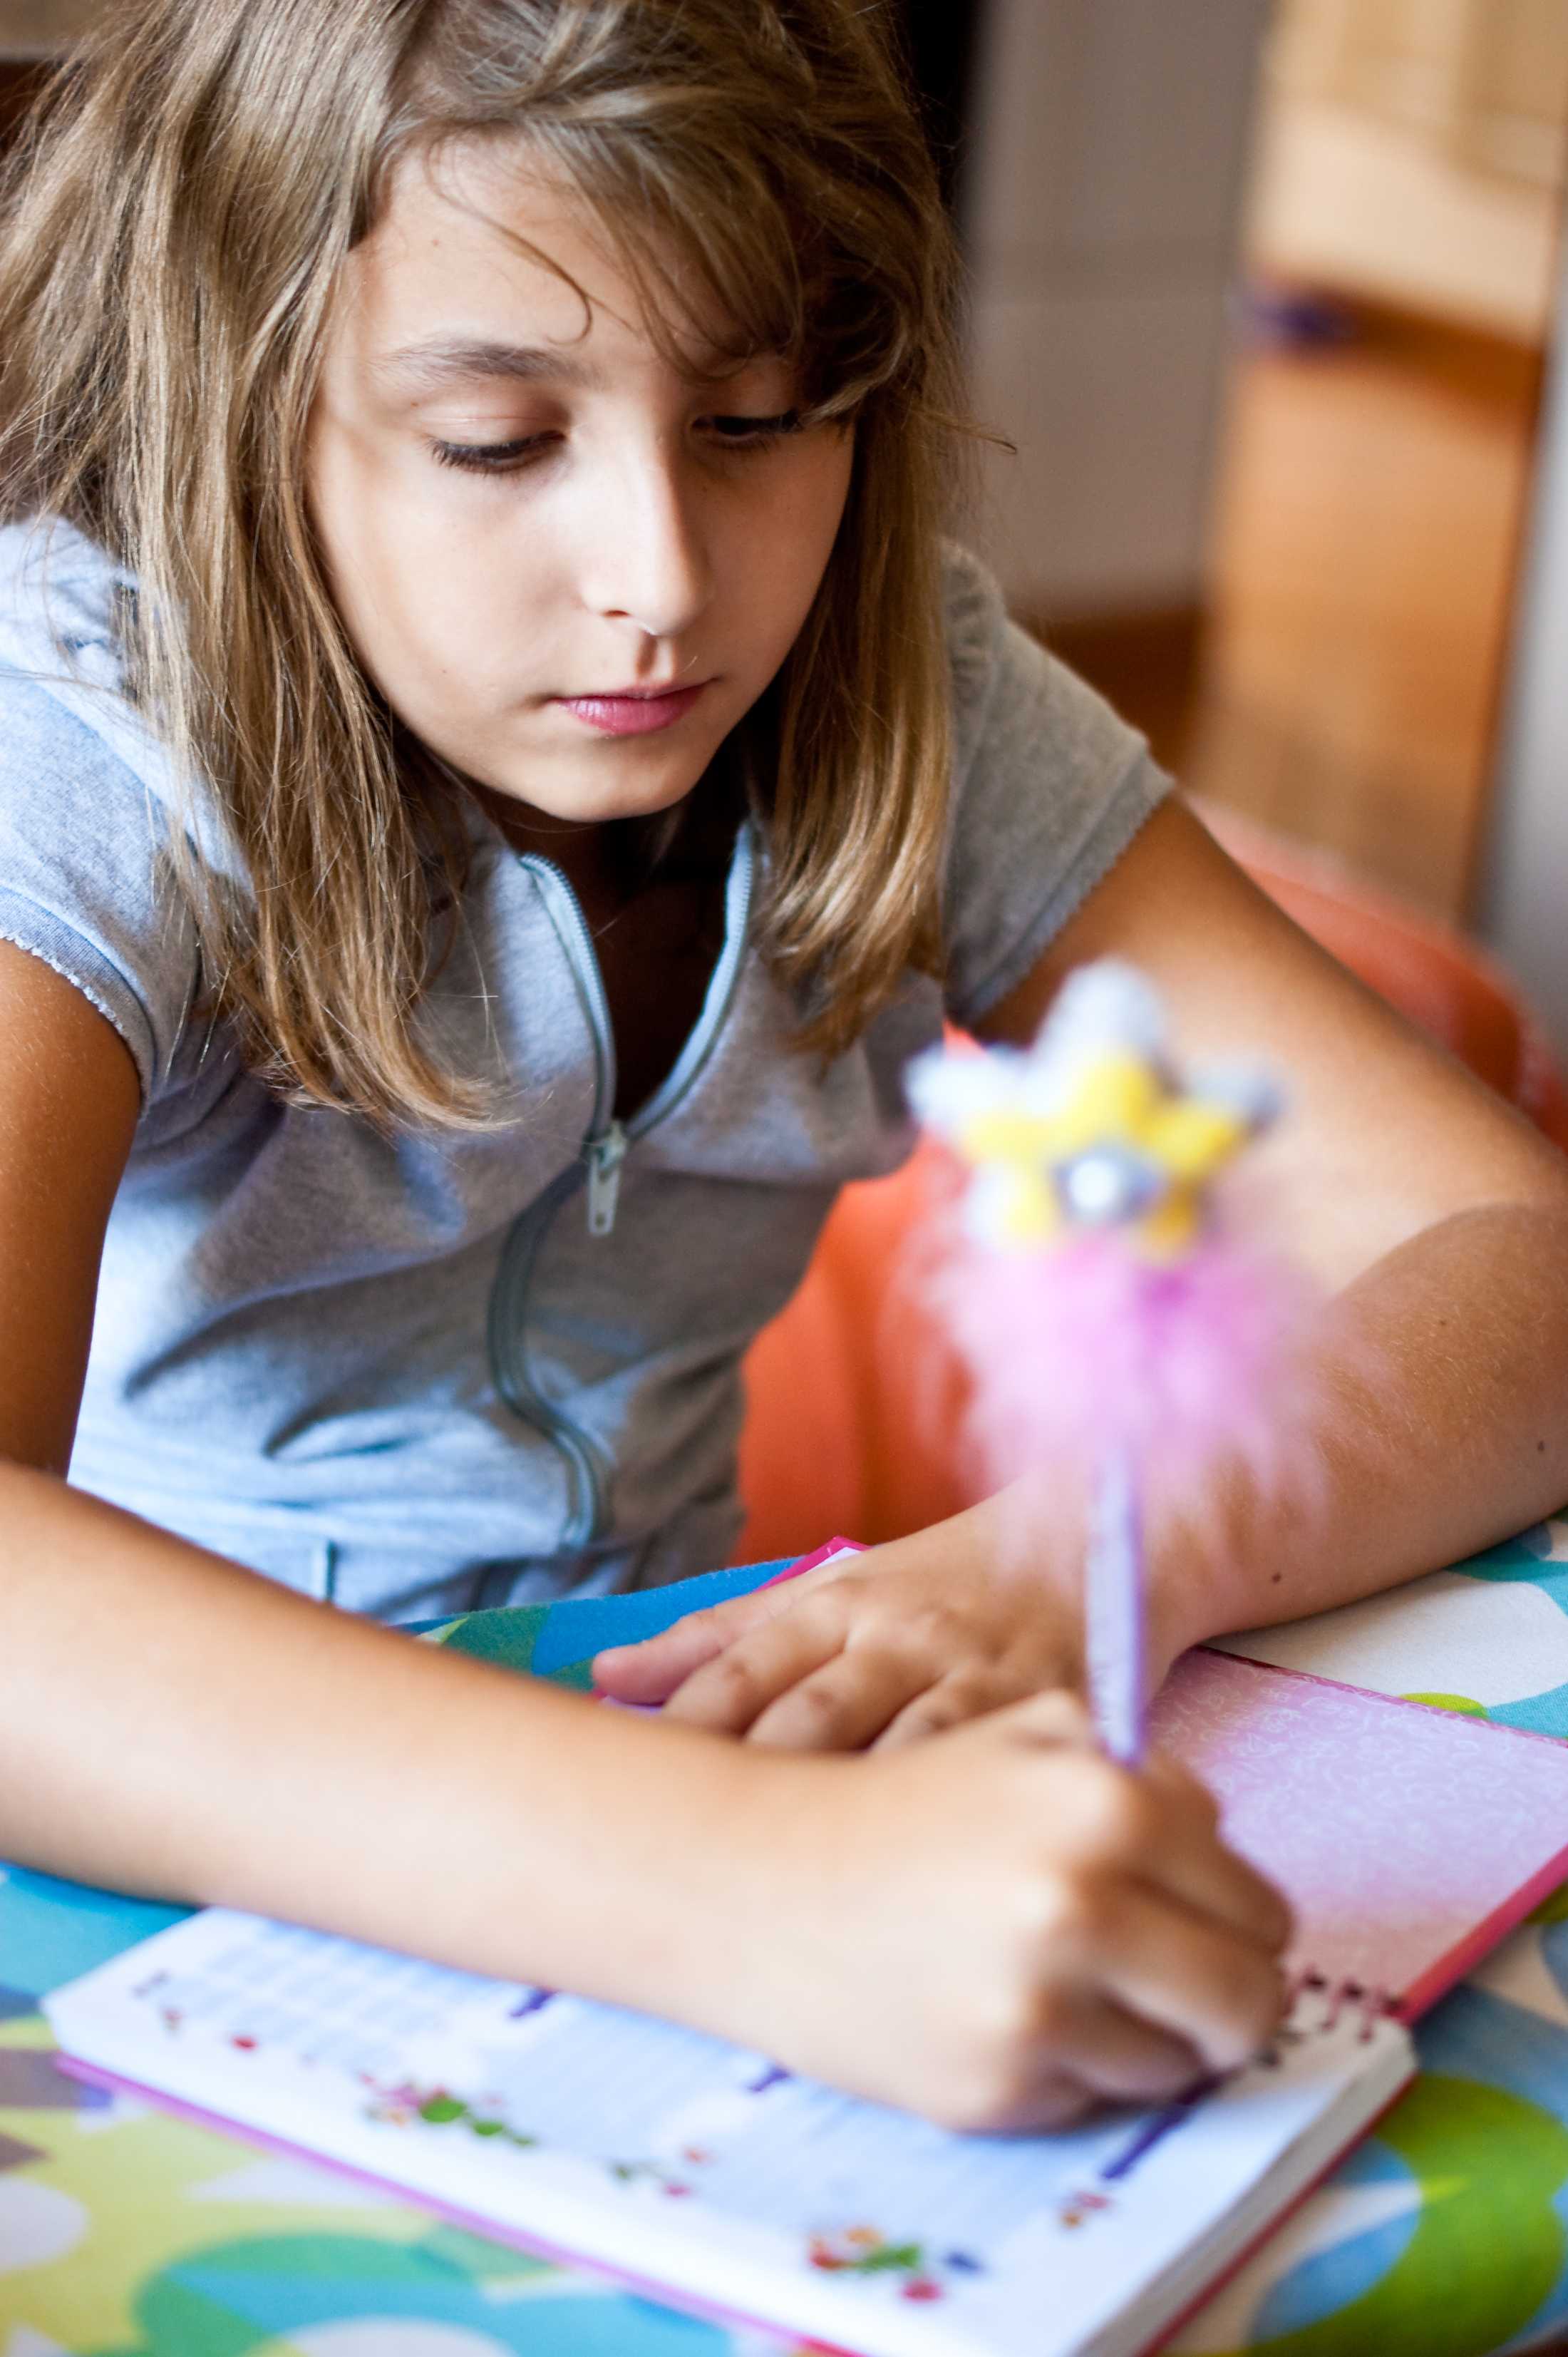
pixel 84 883
pixel 1049 788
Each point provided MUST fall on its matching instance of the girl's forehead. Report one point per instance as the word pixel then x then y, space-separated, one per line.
pixel 480 244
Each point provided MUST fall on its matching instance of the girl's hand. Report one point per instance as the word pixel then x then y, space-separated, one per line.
pixel 877 1649
pixel 999 1929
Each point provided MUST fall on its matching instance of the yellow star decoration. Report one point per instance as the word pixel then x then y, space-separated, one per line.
pixel 1120 1106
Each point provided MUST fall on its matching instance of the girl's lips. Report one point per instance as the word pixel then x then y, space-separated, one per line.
pixel 635 715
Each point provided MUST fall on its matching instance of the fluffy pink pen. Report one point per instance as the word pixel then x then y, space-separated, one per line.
pixel 1112 1321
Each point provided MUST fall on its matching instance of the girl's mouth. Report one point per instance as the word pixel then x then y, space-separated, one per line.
pixel 633 711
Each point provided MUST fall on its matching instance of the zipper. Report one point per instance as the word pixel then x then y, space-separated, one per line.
pixel 586 1478
pixel 604 1155
pixel 604 1151
pixel 561 908
pixel 609 1141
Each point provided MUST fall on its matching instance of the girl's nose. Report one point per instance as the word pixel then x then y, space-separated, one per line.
pixel 646 561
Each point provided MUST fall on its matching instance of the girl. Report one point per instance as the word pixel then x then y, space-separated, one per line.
pixel 498 778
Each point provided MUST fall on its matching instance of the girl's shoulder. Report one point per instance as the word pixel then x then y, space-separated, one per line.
pixel 86 798
pixel 1050 786
pixel 63 602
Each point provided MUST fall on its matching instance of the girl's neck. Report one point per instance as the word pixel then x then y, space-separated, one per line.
pixel 652 894
pixel 609 862
pixel 577 848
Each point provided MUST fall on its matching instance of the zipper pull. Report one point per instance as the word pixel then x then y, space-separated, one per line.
pixel 605 1155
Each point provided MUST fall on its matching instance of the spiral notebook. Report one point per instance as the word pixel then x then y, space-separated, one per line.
pixel 1409 1839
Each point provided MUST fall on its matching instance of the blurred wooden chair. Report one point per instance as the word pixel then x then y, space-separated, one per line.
pixel 853 1399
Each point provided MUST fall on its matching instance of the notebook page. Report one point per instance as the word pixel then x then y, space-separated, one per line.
pixel 689 2165
pixel 1407 1839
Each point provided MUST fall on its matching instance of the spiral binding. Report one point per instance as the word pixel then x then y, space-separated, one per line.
pixel 1335 1999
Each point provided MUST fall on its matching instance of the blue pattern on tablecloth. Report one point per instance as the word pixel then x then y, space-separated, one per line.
pixel 1342 2272
pixel 579 1627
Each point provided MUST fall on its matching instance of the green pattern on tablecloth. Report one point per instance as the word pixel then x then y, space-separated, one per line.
pixel 1484 2167
pixel 127 2234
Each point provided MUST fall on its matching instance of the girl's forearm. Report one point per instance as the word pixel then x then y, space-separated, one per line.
pixel 1442 1427
pixel 172 1725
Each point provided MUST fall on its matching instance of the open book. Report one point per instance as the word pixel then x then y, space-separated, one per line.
pixel 1409 1840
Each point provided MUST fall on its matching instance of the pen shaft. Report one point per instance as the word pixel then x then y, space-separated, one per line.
pixel 1113 1610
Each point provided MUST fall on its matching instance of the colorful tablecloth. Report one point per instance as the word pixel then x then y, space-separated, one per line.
pixel 123 2233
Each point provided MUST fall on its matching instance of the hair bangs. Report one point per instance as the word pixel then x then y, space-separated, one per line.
pixel 742 251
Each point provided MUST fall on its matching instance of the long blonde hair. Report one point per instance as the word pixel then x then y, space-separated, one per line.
pixel 173 231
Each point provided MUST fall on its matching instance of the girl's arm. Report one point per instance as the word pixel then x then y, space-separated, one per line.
pixel 1434 1211
pixel 171 1723
pixel 1438 1216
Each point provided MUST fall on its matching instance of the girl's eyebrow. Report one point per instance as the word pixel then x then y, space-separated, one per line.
pixel 437 361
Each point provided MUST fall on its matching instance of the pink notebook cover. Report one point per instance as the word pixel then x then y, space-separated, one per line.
pixel 1409 1840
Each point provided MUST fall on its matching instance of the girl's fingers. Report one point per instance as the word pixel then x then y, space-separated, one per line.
pixel 1206 1876
pixel 1056 2100
pixel 652 1670
pixel 1049 1719
pixel 730 1690
pixel 1214 1882
pixel 1117 2055
pixel 1223 1996
pixel 1161 1826
pixel 949 1703
pixel 843 1705
pixel 1090 2050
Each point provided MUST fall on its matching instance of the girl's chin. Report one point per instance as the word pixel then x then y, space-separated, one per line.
pixel 591 801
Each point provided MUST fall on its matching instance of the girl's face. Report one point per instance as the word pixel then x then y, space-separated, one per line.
pixel 569 566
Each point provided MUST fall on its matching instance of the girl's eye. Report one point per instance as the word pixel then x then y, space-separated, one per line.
pixel 511 457
pixel 752 433
pixel 493 457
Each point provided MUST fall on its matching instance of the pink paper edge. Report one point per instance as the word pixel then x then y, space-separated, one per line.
pixel 488 2229
pixel 1451 1967
pixel 824 1554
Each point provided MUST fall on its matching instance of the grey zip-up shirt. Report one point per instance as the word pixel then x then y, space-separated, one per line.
pixel 419 1373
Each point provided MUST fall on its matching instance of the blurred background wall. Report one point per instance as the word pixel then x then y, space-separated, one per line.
pixel 1100 203
pixel 1265 293
pixel 1412 150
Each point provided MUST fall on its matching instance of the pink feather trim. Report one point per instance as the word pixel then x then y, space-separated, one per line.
pixel 1088 1348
